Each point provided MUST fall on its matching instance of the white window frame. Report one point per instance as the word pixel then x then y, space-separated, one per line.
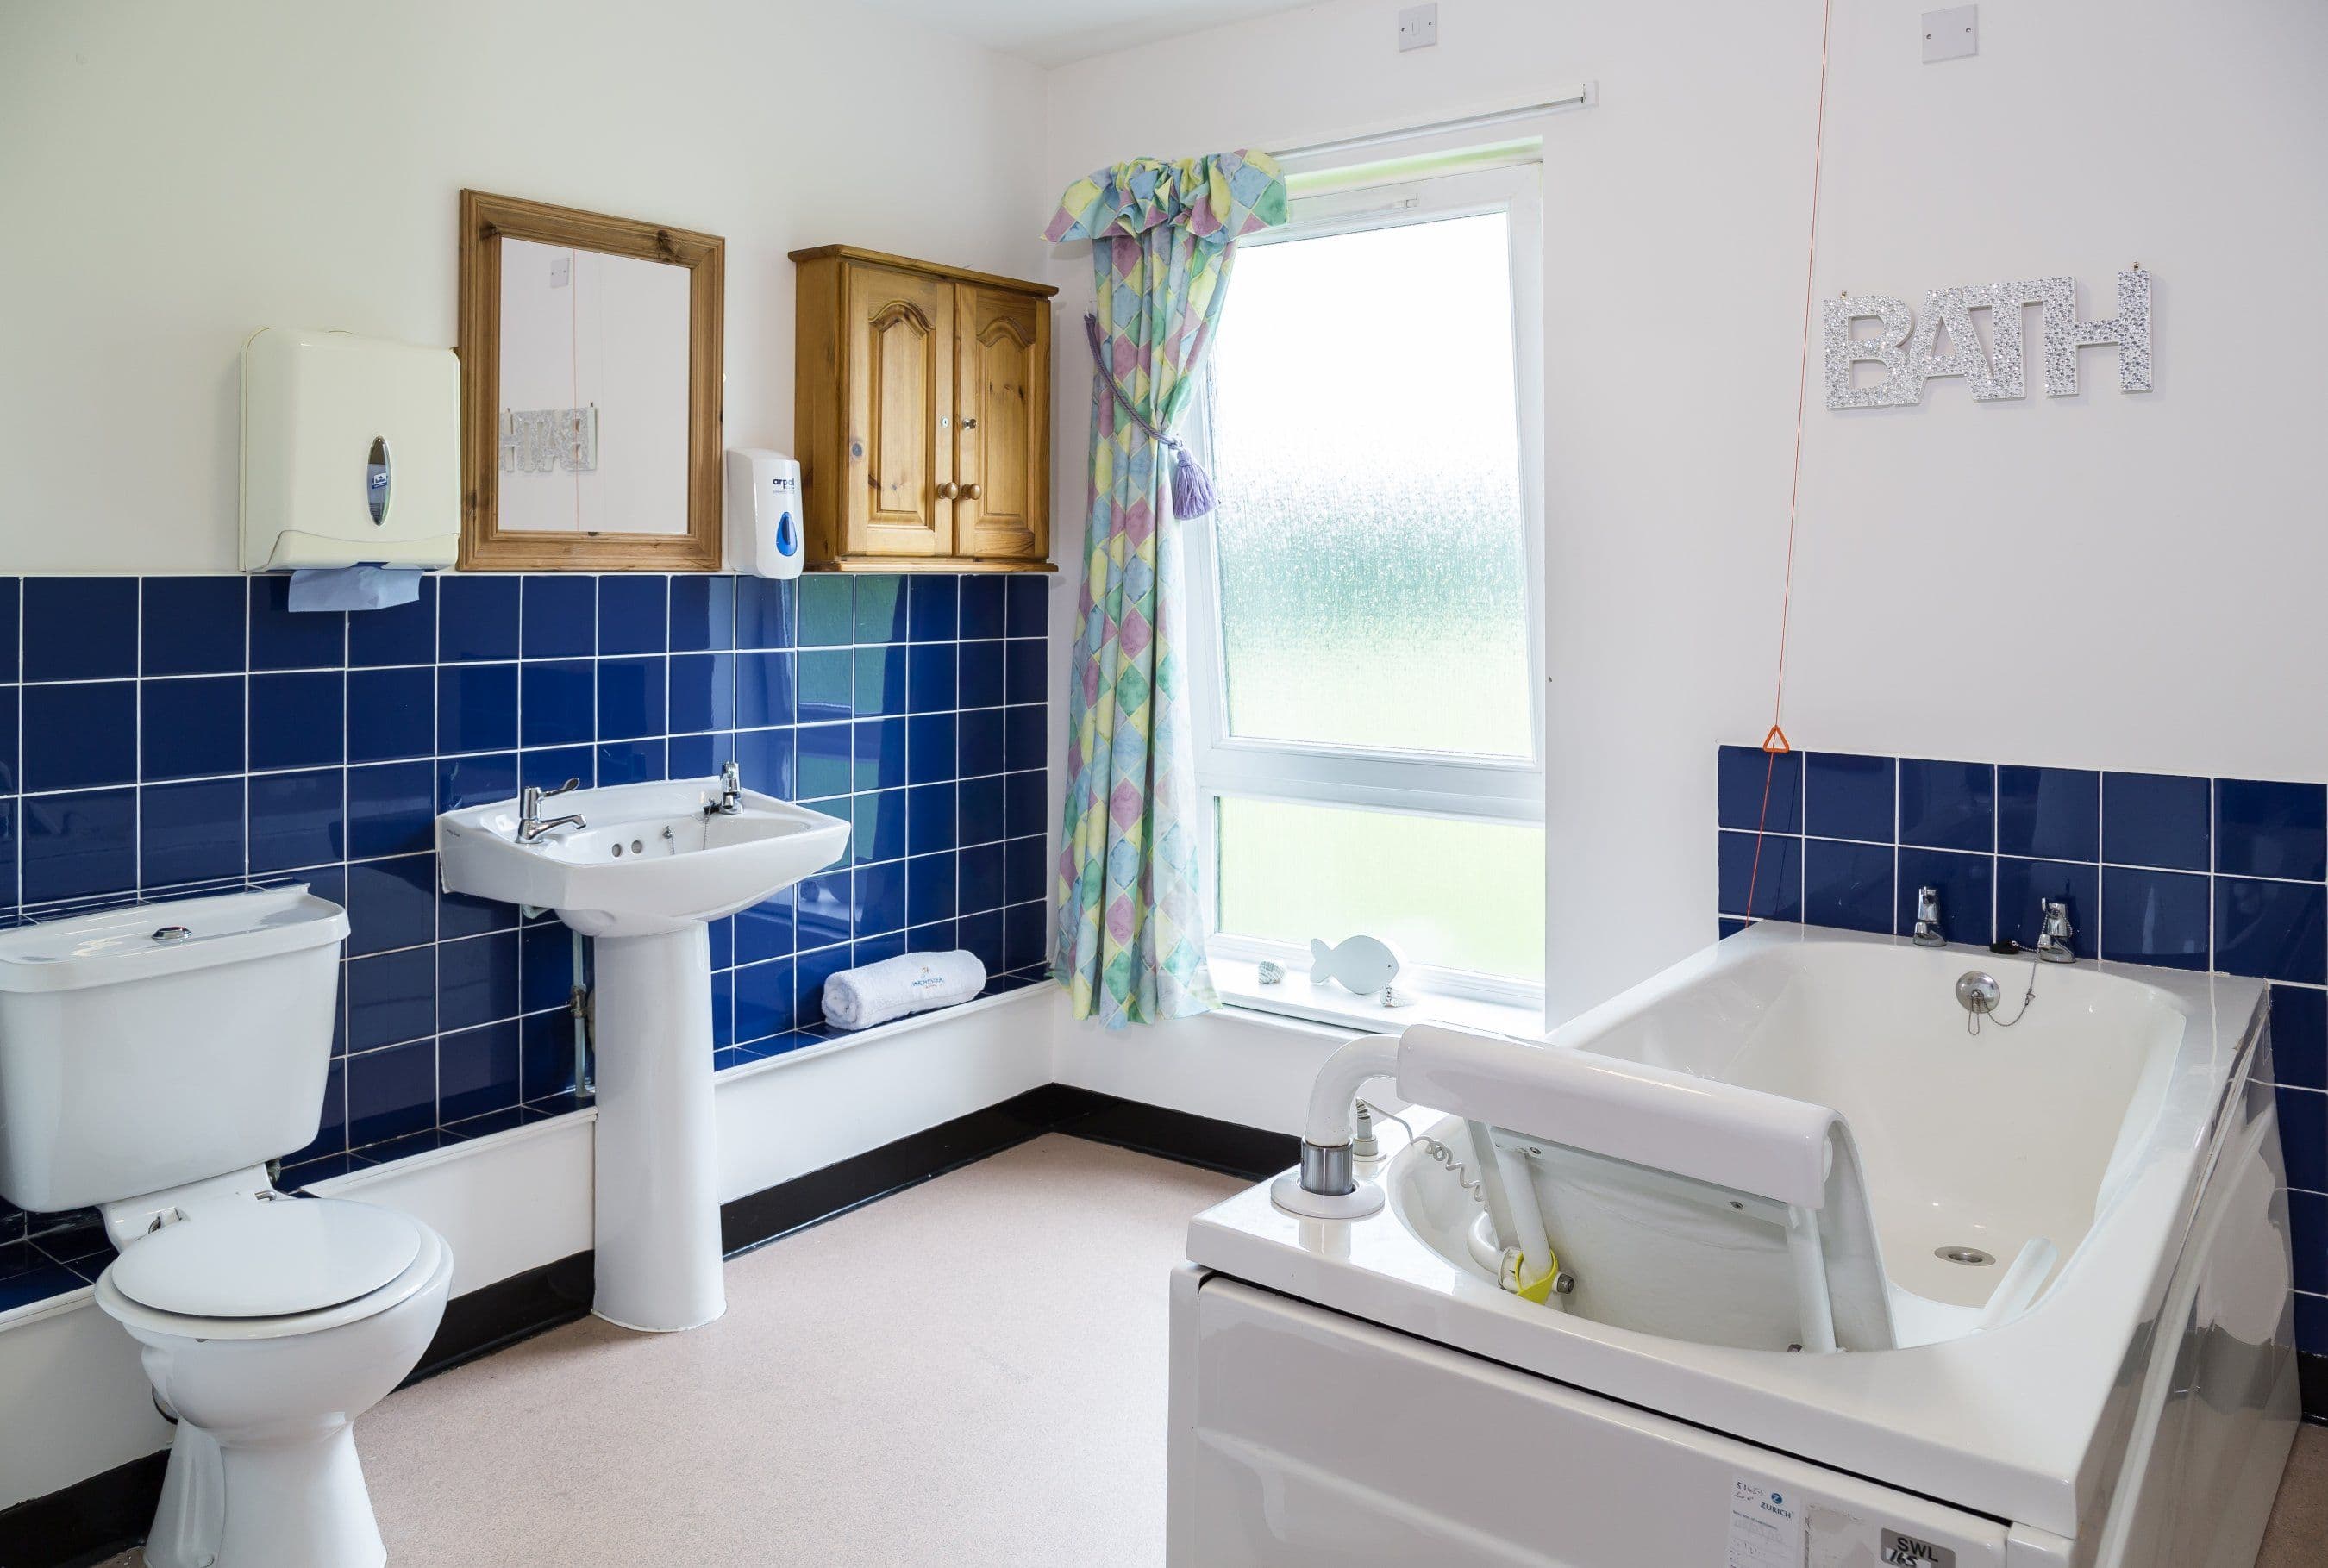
pixel 1489 788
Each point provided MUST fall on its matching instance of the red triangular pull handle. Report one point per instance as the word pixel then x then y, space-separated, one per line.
pixel 1776 740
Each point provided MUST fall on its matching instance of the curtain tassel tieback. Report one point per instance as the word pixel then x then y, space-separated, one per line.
pixel 1192 487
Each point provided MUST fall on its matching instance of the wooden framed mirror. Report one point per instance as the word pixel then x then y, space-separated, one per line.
pixel 591 390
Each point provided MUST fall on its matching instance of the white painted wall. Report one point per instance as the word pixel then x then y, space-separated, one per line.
pixel 2107 580
pixel 178 176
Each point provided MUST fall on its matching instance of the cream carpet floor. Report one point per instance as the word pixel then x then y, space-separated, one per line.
pixel 970 1373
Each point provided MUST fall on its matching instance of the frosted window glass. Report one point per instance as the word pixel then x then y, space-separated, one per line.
pixel 1457 893
pixel 1369 539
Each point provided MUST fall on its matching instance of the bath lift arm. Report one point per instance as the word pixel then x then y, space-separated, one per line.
pixel 1328 1187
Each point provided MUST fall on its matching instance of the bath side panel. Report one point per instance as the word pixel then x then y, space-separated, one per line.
pixel 1307 1438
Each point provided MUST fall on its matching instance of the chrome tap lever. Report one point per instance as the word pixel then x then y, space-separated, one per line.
pixel 530 824
pixel 1927 931
pixel 731 793
pixel 2053 941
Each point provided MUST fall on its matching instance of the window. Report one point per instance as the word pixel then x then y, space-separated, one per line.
pixel 1366 628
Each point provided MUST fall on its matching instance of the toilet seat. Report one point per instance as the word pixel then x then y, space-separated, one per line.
pixel 267 1258
pixel 183 1279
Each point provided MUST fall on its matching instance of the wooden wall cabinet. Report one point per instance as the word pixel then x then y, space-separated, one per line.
pixel 922 415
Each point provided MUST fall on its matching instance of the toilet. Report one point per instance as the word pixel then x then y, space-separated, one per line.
pixel 152 1061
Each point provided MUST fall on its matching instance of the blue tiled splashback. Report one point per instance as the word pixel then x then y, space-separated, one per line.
pixel 166 736
pixel 2229 875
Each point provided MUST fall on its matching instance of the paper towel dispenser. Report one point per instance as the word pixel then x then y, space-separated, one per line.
pixel 351 452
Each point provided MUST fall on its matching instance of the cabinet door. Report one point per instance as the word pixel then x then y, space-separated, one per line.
pixel 899 487
pixel 1003 449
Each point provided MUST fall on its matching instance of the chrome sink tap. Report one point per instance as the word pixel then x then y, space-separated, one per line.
pixel 731 793
pixel 529 823
pixel 1928 919
pixel 2053 941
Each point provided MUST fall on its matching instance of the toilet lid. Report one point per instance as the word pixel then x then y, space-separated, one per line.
pixel 268 1259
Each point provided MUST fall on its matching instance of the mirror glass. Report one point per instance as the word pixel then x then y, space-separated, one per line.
pixel 593 422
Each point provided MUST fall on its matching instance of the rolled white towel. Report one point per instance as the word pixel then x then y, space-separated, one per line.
pixel 857 998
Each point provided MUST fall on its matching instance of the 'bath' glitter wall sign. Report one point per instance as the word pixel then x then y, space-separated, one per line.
pixel 1911 351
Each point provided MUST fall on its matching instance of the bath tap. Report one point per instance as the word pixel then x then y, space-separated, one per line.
pixel 1928 919
pixel 2053 941
pixel 530 825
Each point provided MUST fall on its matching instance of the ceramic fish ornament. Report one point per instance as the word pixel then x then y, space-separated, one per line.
pixel 1364 964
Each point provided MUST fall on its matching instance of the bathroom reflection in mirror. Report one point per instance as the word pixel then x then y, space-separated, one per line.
pixel 590 377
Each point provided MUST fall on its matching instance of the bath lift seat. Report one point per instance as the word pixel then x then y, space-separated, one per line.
pixel 1742 1156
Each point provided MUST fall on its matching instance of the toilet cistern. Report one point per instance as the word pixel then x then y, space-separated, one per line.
pixel 644 869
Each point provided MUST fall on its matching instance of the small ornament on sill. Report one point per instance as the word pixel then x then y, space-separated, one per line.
pixel 1270 972
pixel 1394 996
pixel 1364 964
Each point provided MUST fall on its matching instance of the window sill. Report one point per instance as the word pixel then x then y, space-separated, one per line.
pixel 1297 996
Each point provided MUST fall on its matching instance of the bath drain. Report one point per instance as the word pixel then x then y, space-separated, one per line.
pixel 1972 1257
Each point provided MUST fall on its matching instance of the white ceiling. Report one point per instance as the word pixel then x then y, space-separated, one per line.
pixel 1061 32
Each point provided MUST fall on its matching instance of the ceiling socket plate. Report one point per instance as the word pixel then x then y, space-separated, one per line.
pixel 1417 27
pixel 1951 34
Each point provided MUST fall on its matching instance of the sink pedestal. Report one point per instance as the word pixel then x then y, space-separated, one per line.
pixel 658 1193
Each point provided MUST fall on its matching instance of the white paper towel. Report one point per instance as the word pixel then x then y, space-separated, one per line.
pixel 354 587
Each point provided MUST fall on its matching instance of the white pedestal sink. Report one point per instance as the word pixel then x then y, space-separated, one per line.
pixel 652 864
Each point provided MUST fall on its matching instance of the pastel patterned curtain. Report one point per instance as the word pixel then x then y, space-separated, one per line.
pixel 1131 910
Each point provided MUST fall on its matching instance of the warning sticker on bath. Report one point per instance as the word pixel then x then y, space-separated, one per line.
pixel 1841 1539
pixel 1766 1526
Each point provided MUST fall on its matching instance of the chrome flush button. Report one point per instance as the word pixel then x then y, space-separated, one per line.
pixel 171 933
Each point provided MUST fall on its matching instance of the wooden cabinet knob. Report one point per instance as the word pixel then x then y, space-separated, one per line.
pixel 946 491
pixel 970 492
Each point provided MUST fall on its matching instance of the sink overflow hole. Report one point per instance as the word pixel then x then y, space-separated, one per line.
pixel 1972 1257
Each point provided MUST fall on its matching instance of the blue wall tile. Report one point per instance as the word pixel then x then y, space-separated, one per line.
pixel 79 845
pixel 1847 885
pixel 633 614
pixel 932 747
pixel 297 819
pixel 982 612
pixel 560 616
pixel 477 1070
pixel 192 625
pixel 763 690
pixel 1025 672
pixel 1025 871
pixel 80 628
pixel 10 777
pixel 930 679
pixel 1947 805
pixel 827 684
pixel 2154 917
pixel 1967 885
pixel 392 904
pixel 399 634
pixel 282 638
pixel 391 1093
pixel 981 817
pixel 2304 1138
pixel 2049 814
pixel 827 612
pixel 1761 875
pixel 880 609
pixel 2271 830
pixel 767 614
pixel 982 877
pixel 2299 1037
pixel 391 713
pixel 190 832
pixel 631 697
pixel 391 809
pixel 391 998
pixel 1026 737
pixel 190 728
pixel 1026 605
pixel 824 765
pixel 75 736
pixel 297 720
pixel 2272 929
pixel 880 681
pixel 476 618
pixel 933 609
pixel 982 674
pixel 703 612
pixel 477 708
pixel 879 748
pixel 477 980
pixel 12 600
pixel 2159 820
pixel 1848 796
pixel 766 758
pixel 555 703
pixel 981 742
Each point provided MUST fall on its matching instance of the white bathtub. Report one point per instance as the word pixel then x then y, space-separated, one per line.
pixel 1379 1398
